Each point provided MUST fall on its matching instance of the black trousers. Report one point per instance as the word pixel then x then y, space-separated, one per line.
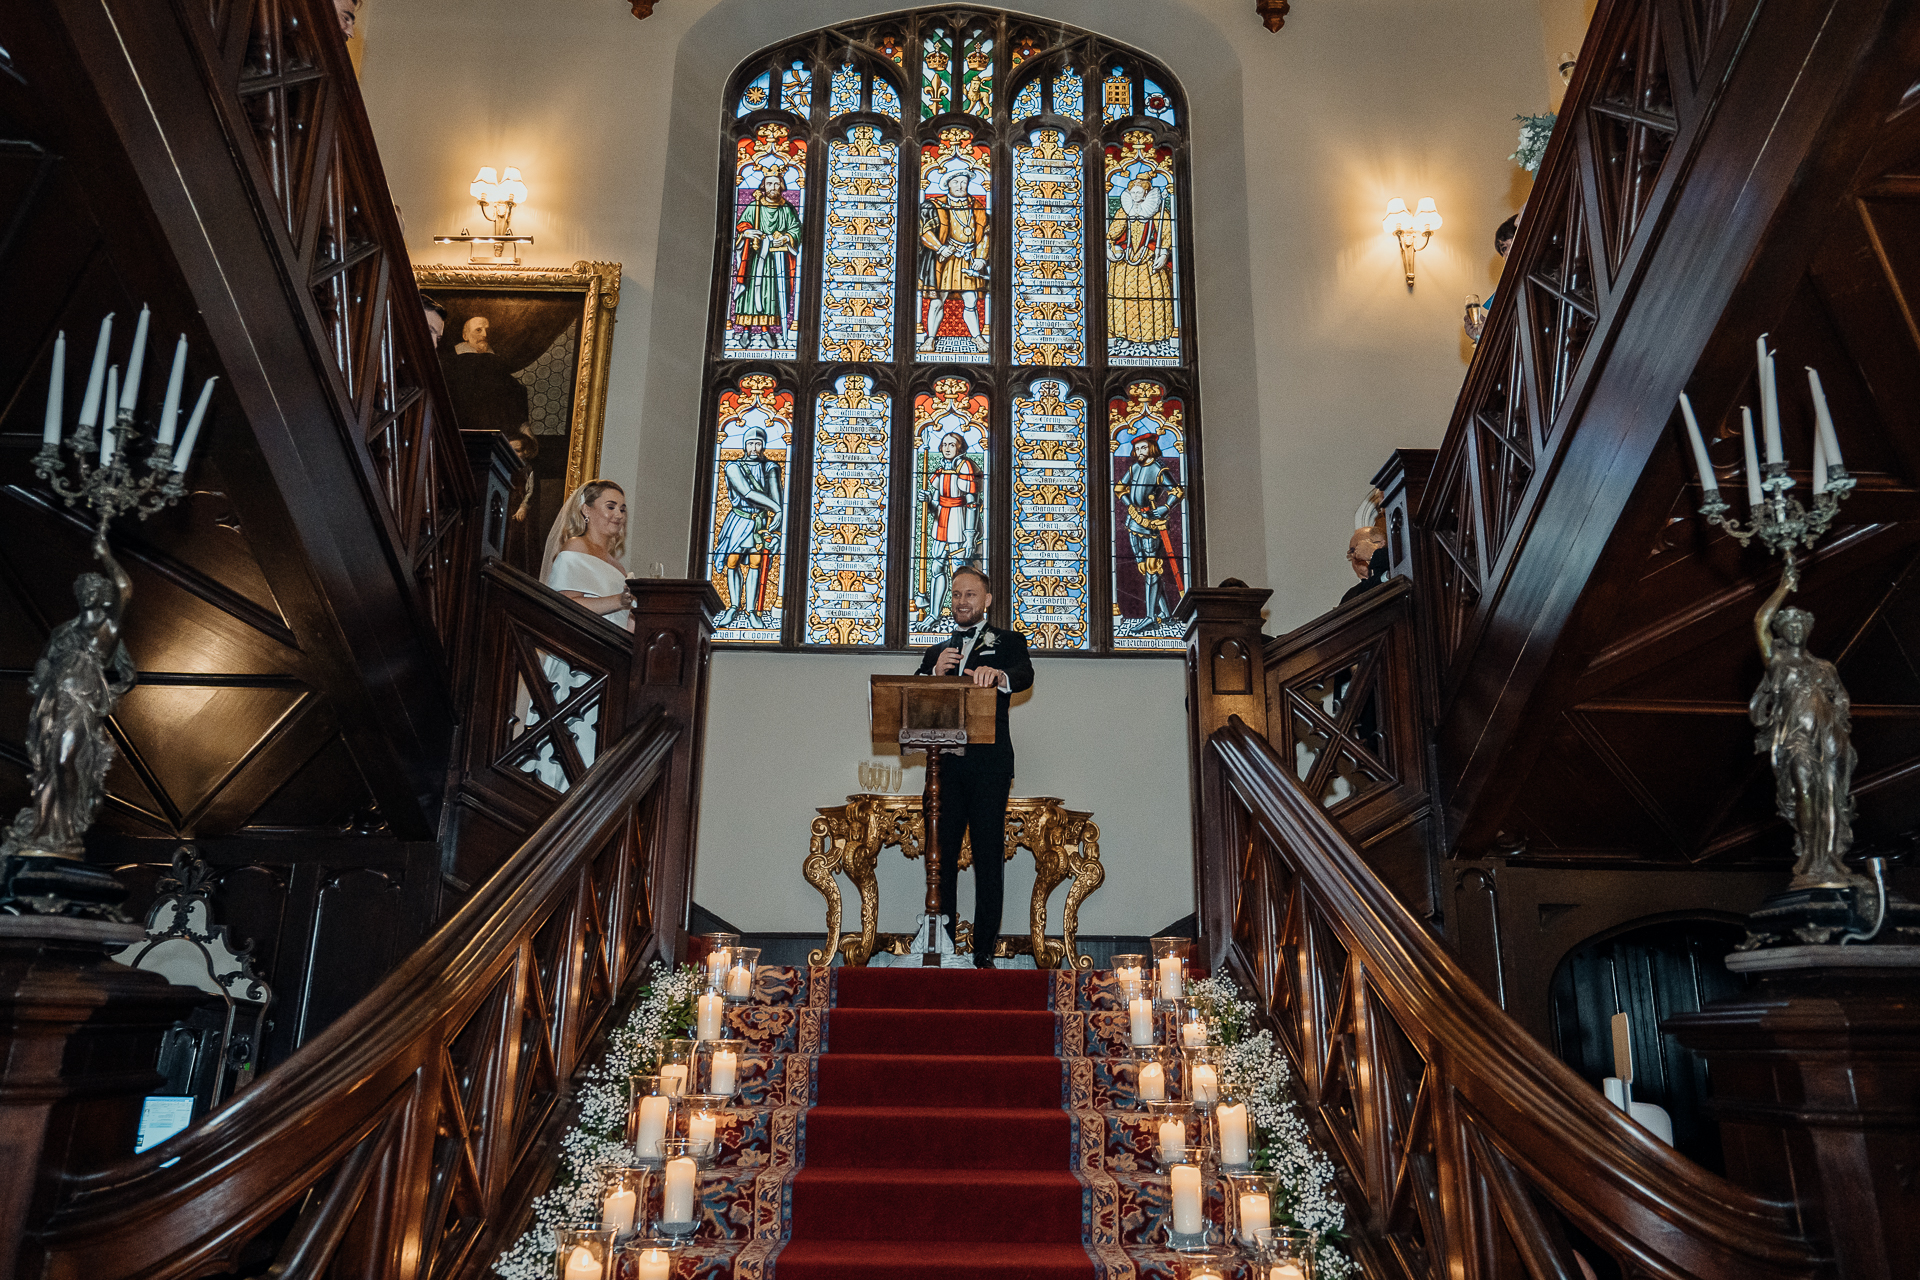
pixel 973 802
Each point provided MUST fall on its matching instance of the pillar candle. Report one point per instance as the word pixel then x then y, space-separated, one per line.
pixel 1186 1199
pixel 1256 1211
pixel 655 1264
pixel 1128 974
pixel 1754 495
pixel 652 1126
pixel 1173 1139
pixel 1286 1271
pixel 739 982
pixel 581 1266
pixel 1701 463
pixel 56 390
pixel 1170 985
pixel 673 1078
pixel 678 1205
pixel 1233 1132
pixel 712 1005
pixel 1205 1272
pixel 717 962
pixel 135 361
pixel 106 428
pixel 1152 1086
pixel 618 1208
pixel 170 407
pixel 1206 1083
pixel 1193 1035
pixel 725 1065
pixel 191 435
pixel 90 400
pixel 1823 419
pixel 1140 1019
pixel 700 1130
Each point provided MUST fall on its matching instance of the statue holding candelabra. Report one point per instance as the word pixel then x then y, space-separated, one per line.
pixel 84 668
pixel 1801 708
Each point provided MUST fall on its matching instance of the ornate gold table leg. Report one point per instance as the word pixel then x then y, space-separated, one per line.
pixel 1088 874
pixel 824 858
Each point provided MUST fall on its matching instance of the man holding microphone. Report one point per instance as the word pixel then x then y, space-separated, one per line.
pixel 975 780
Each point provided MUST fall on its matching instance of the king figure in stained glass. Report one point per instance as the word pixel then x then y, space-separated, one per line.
pixel 763 292
pixel 1149 513
pixel 955 239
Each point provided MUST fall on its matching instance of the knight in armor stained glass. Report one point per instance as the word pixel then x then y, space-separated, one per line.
pixel 953 504
pixel 1150 491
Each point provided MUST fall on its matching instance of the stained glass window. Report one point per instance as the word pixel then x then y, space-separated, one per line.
pixel 953 307
pixel 1049 253
pixel 868 256
pixel 763 292
pixel 1148 460
pixel 847 538
pixel 845 95
pixel 1050 552
pixel 856 302
pixel 950 481
pixel 1143 271
pixel 753 441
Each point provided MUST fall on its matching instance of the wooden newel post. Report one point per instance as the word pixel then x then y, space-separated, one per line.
pixel 934 713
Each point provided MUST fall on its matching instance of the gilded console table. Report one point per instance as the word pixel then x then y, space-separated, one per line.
pixel 848 838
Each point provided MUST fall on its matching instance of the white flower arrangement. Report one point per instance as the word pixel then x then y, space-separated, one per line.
pixel 1534 133
pixel 598 1141
pixel 1253 1067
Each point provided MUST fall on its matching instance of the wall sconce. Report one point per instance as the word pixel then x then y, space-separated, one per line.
pixel 497 197
pixel 1405 227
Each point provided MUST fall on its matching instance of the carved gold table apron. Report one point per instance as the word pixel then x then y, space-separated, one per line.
pixel 848 838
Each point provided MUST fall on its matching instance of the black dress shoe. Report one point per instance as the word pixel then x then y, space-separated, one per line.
pixel 983 964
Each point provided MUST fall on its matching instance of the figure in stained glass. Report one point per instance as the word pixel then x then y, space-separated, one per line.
pixel 1149 515
pixel 950 455
pixel 754 439
pixel 954 242
pixel 976 85
pixel 763 292
pixel 1142 289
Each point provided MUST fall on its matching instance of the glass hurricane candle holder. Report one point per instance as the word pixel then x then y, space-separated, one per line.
pixel 1129 977
pixel 623 1200
pixel 583 1251
pixel 1156 1075
pixel 1205 1263
pixel 651 1258
pixel 679 1189
pixel 1187 1227
pixel 649 1117
pixel 719 958
pixel 1191 1028
pixel 702 1113
pixel 1286 1253
pixel 717 1066
pixel 1249 1207
pixel 1172 1129
pixel 1233 1133
pixel 676 1066
pixel 1171 957
pixel 1200 1075
pixel 1143 1023
pixel 742 970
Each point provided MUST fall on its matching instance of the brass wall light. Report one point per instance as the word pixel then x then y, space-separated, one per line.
pixel 1412 230
pixel 497 194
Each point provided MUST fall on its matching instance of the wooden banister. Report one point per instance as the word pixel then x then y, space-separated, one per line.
pixel 1469 1149
pixel 403 1141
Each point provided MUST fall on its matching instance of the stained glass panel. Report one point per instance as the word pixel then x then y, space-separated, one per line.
pixel 753 442
pixel 1069 95
pixel 1158 104
pixel 764 266
pixel 886 98
pixel 847 553
pixel 1143 263
pixel 1023 48
pixel 796 89
pixel 976 81
pixel 1119 95
pixel 936 73
pixel 949 531
pixel 1027 101
pixel 856 303
pixel 952 313
pixel 845 94
pixel 1151 549
pixel 757 95
pixel 1049 252
pixel 1050 551
pixel 894 46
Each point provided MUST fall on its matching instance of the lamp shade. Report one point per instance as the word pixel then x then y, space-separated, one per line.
pixel 1397 219
pixel 1425 216
pixel 481 188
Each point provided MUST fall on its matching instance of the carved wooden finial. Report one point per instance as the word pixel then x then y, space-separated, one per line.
pixel 1272 12
pixel 643 8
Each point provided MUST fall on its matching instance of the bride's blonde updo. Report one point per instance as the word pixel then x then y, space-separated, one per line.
pixel 572 522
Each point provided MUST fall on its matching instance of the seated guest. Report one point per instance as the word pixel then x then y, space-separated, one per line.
pixel 1367 557
pixel 582 560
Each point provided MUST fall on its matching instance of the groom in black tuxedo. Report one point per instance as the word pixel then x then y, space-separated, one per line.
pixel 974 785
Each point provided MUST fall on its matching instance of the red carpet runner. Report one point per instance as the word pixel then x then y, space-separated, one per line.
pixel 937 1146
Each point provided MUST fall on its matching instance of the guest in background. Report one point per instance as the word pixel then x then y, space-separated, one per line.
pixel 436 317
pixel 1367 557
pixel 582 560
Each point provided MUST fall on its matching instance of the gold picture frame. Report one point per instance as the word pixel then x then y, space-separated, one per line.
pixel 594 288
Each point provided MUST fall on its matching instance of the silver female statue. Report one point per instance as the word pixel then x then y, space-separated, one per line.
pixel 1801 709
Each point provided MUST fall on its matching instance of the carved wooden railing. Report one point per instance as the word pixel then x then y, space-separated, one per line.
pixel 1467 1148
pixel 404 1141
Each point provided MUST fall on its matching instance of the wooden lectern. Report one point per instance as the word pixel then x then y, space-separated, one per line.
pixel 933 713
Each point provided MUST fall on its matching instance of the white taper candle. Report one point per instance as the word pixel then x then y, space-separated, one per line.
pixel 1708 481
pixel 1823 419
pixel 106 428
pixel 56 390
pixel 1769 403
pixel 90 402
pixel 191 435
pixel 130 390
pixel 170 408
pixel 1753 458
pixel 1819 464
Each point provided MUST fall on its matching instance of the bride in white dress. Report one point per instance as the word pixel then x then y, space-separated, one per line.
pixel 582 561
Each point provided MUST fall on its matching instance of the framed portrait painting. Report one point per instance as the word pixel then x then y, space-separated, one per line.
pixel 525 351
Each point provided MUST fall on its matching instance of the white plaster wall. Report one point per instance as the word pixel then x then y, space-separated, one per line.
pixel 1315 359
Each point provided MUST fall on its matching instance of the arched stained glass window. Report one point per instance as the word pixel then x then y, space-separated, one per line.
pixel 951 327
